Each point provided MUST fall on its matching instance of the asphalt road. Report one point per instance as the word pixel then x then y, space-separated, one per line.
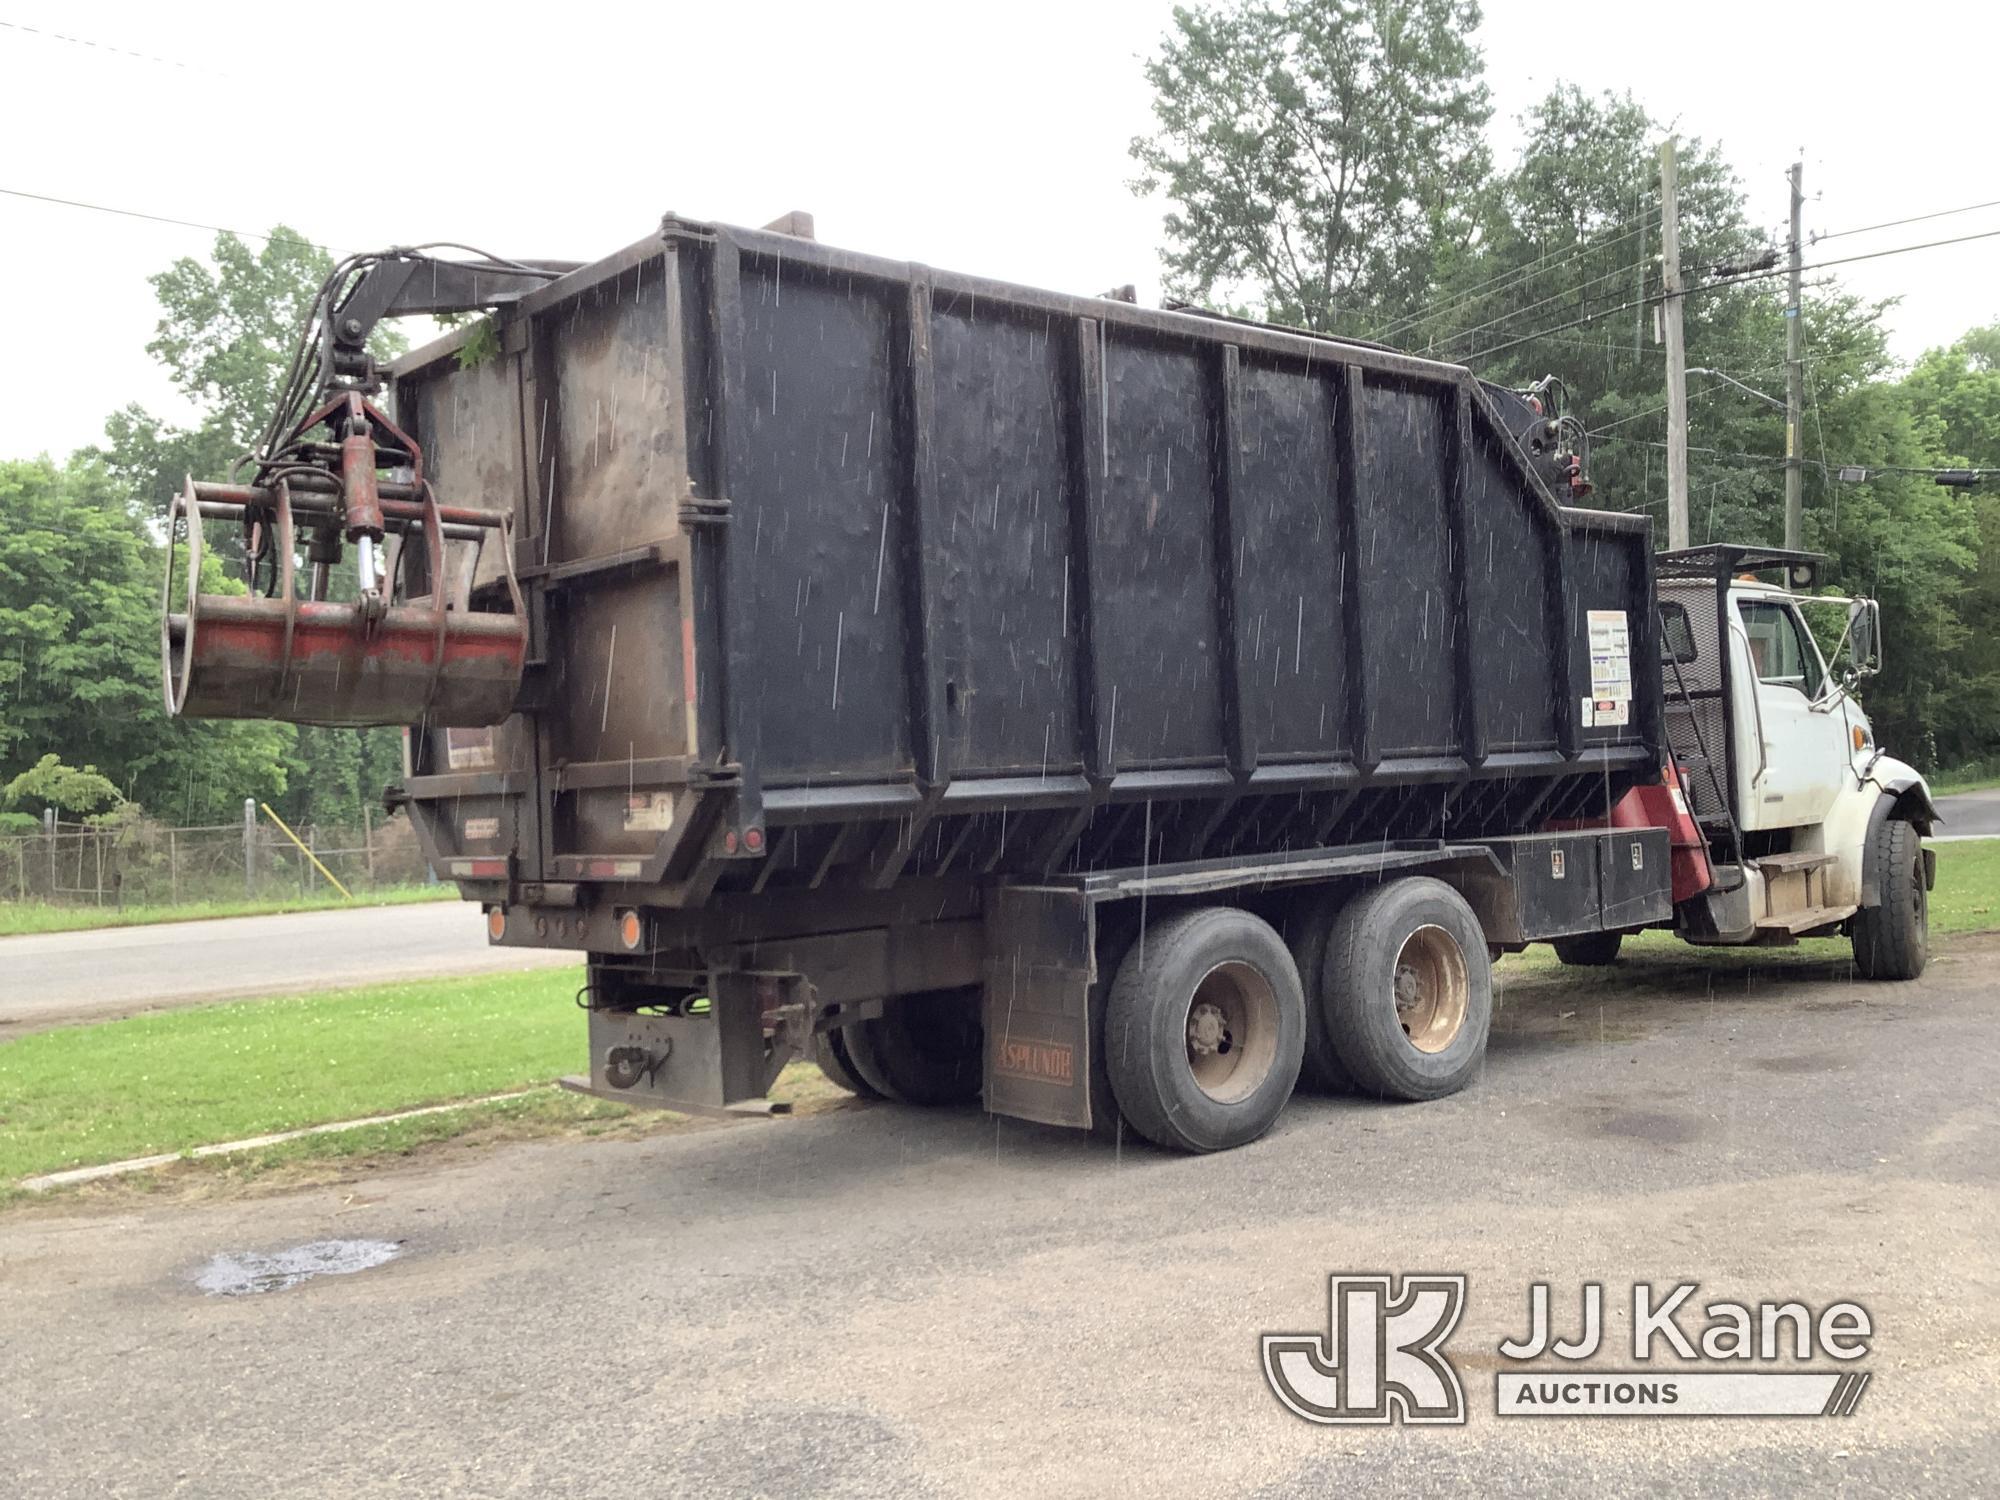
pixel 1971 814
pixel 883 1301
pixel 59 978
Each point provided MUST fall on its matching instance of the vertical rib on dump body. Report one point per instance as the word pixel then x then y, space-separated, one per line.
pixel 842 572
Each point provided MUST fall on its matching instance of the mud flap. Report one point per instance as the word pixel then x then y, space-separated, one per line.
pixel 1040 947
pixel 720 1062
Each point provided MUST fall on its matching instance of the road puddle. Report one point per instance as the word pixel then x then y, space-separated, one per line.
pixel 244 1273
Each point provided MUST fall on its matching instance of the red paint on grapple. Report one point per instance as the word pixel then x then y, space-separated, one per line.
pixel 350 665
pixel 231 659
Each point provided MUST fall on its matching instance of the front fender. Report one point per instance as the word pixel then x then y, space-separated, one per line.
pixel 1906 795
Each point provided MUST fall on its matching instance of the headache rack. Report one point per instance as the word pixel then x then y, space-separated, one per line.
pixel 1699 715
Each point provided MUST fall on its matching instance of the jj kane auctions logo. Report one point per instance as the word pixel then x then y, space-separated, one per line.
pixel 1382 1358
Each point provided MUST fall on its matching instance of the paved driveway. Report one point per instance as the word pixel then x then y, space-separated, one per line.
pixel 885 1301
pixel 1971 814
pixel 58 978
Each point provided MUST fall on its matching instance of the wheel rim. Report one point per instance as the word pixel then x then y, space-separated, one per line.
pixel 1432 989
pixel 1231 1031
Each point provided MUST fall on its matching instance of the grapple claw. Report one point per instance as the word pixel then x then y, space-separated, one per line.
pixel 387 657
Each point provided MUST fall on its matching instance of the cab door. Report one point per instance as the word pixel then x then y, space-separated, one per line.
pixel 1790 754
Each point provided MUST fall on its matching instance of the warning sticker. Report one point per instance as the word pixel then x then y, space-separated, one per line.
pixel 481 828
pixel 1606 713
pixel 1610 657
pixel 649 812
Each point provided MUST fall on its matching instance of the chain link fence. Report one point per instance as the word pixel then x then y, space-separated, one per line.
pixel 138 862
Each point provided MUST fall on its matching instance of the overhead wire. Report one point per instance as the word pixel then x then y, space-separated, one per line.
pixel 1701 288
pixel 107 49
pixel 1542 263
pixel 133 213
pixel 1943 213
pixel 1567 292
pixel 299 383
pixel 1823 464
pixel 1654 411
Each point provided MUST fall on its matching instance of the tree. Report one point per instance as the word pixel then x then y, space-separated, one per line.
pixel 1320 154
pixel 227 332
pixel 1898 536
pixel 226 335
pixel 1952 397
pixel 1955 395
pixel 50 783
pixel 80 669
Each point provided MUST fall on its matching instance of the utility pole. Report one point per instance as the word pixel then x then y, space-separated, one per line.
pixel 1639 292
pixel 1677 403
pixel 1795 379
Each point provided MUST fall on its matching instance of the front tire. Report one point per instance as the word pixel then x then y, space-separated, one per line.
pixel 1409 989
pixel 1892 939
pixel 1204 1030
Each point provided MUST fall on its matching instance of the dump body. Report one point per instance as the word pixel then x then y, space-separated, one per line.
pixel 845 575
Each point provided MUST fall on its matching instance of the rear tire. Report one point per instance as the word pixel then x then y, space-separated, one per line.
pixel 1307 934
pixel 1589 950
pixel 1892 940
pixel 926 1049
pixel 829 1050
pixel 1409 990
pixel 860 1039
pixel 1204 1030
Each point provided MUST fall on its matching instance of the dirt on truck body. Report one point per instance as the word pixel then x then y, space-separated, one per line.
pixel 1115 713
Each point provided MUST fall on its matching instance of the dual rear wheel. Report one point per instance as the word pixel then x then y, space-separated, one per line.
pixel 922 1049
pixel 1213 1018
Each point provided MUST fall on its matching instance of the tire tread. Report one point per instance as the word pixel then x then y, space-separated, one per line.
pixel 1375 1068
pixel 1131 1057
pixel 1891 941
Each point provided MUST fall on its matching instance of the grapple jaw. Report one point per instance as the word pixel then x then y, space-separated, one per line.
pixel 412 645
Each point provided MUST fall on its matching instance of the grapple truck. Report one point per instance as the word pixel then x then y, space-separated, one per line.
pixel 1117 715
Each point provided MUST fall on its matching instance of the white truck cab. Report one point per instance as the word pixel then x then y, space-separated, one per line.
pixel 1812 829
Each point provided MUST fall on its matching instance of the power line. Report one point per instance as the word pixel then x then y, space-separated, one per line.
pixel 1774 460
pixel 1620 349
pixel 1528 338
pixel 1565 293
pixel 1943 213
pixel 107 49
pixel 1718 285
pixel 1507 279
pixel 133 213
pixel 1654 411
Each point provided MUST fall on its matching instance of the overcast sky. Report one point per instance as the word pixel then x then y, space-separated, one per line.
pixel 986 138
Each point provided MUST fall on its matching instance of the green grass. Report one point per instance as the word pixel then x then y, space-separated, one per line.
pixel 162 1083
pixel 1966 899
pixel 1973 776
pixel 1967 895
pixel 159 1084
pixel 340 1155
pixel 18 918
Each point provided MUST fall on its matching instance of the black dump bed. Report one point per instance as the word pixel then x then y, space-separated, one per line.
pixel 844 572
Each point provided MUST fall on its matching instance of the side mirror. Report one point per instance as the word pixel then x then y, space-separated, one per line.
pixel 1864 636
